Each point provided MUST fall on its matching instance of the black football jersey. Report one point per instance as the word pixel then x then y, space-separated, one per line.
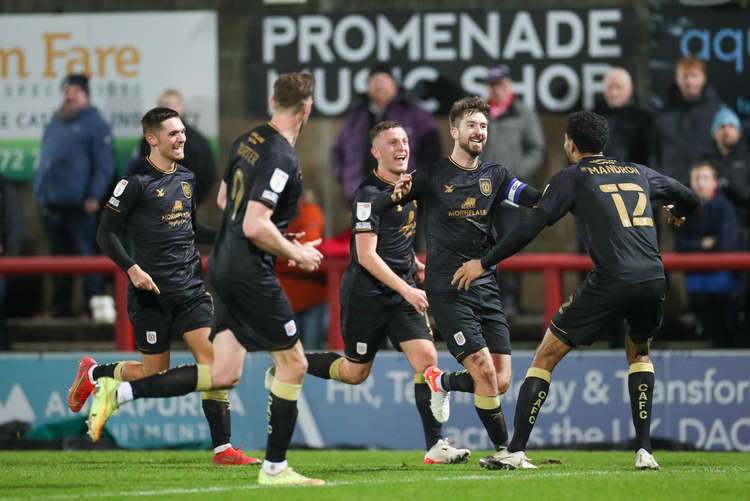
pixel 395 229
pixel 263 167
pixel 460 206
pixel 611 201
pixel 156 212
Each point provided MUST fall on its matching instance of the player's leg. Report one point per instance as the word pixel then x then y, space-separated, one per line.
pixel 291 366
pixel 421 354
pixel 644 315
pixel 363 328
pixel 180 380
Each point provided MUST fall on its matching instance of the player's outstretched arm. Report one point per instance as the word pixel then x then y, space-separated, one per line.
pixel 370 260
pixel 513 242
pixel 258 227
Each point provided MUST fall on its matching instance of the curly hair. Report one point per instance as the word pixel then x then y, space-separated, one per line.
pixel 588 130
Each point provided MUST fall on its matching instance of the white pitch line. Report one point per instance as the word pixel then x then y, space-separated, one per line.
pixel 507 477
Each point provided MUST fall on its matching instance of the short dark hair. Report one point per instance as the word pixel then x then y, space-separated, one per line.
pixel 588 130
pixel 384 125
pixel 467 106
pixel 154 117
pixel 707 164
pixel 291 90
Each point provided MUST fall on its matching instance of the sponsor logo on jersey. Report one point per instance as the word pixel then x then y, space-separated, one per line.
pixel 151 337
pixel 448 188
pixel 363 210
pixel 186 189
pixel 120 187
pixel 469 203
pixel 291 328
pixel 278 180
pixel 270 196
pixel 177 207
pixel 159 192
pixel 361 348
pixel 460 338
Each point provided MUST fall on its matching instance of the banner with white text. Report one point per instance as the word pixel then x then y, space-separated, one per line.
pixel 131 59
pixel 557 57
pixel 701 398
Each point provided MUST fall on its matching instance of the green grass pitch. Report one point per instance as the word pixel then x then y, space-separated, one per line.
pixel 372 475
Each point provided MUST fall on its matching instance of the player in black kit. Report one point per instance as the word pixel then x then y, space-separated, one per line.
pixel 461 195
pixel 611 201
pixel 252 312
pixel 154 210
pixel 379 297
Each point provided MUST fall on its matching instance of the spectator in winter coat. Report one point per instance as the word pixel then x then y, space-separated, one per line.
pixel 76 167
pixel 516 141
pixel 630 126
pixel 711 228
pixel 684 125
pixel 351 157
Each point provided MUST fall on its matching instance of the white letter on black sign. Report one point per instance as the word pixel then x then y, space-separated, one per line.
pixel 314 31
pixel 554 19
pixel 277 30
pixel 470 32
pixel 409 35
pixel 598 33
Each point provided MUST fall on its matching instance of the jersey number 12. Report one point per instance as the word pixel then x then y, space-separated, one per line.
pixel 622 211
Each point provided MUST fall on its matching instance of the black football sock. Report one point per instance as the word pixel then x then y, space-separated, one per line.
pixel 457 381
pixel 180 380
pixel 324 365
pixel 641 388
pixel 282 416
pixel 216 410
pixel 432 429
pixel 108 370
pixel 530 399
pixel 491 414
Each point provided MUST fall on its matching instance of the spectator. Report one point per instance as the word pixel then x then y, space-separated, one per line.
pixel 198 155
pixel 307 291
pixel 76 166
pixel 351 156
pixel 630 125
pixel 712 296
pixel 684 125
pixel 516 141
pixel 11 237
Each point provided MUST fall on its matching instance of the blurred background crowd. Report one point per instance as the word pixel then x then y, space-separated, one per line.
pixel 664 110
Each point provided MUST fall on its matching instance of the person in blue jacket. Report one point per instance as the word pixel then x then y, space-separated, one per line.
pixel 76 167
pixel 713 227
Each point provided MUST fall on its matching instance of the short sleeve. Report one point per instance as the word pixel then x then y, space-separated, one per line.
pixel 558 196
pixel 125 196
pixel 364 219
pixel 272 178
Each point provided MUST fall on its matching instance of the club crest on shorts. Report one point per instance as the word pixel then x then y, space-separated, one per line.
pixel 364 209
pixel 151 337
pixel 485 186
pixel 186 190
pixel 460 338
pixel 291 328
pixel 361 348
